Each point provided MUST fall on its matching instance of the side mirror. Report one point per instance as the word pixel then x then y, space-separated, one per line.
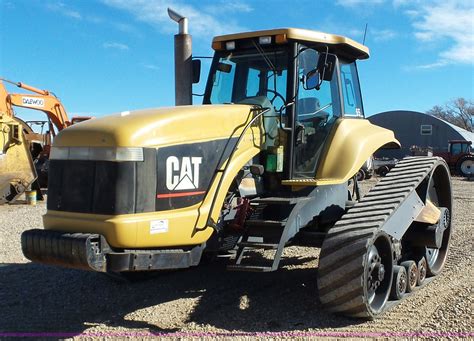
pixel 196 64
pixel 326 65
pixel 311 80
pixel 323 72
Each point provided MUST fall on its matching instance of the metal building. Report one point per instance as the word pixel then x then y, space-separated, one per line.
pixel 416 128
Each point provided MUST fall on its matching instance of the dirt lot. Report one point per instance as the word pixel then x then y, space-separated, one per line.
pixel 207 299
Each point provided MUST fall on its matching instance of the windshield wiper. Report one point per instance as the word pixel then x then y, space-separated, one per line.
pixel 269 63
pixel 265 58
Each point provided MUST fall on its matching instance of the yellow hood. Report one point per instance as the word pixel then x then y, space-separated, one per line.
pixel 157 127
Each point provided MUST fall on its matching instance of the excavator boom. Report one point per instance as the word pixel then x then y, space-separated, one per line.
pixel 43 100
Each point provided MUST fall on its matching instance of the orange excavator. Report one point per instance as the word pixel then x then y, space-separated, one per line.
pixel 24 154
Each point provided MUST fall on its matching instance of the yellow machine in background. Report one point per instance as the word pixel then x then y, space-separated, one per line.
pixel 268 160
pixel 24 154
pixel 17 171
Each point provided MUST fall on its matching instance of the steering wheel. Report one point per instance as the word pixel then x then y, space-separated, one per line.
pixel 276 95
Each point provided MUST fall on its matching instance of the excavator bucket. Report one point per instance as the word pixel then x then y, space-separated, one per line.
pixel 17 172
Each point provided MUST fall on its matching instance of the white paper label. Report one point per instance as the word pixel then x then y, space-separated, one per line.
pixel 33 102
pixel 158 226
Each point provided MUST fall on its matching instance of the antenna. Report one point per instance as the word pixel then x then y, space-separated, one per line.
pixel 365 33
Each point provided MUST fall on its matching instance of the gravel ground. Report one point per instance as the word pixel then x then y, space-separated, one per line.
pixel 43 299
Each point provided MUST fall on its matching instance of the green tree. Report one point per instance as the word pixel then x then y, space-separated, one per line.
pixel 458 111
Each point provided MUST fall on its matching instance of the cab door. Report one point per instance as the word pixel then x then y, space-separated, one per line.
pixel 316 111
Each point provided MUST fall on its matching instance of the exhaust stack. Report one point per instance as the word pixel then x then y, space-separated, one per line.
pixel 183 71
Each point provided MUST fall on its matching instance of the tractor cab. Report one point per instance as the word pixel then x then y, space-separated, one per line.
pixel 459 147
pixel 307 80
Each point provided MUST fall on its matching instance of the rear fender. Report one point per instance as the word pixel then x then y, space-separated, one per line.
pixel 351 143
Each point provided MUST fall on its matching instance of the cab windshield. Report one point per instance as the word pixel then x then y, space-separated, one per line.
pixel 249 76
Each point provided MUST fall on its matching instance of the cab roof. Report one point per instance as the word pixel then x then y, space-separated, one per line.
pixel 339 45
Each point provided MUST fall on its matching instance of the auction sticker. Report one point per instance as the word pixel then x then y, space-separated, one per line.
pixel 158 226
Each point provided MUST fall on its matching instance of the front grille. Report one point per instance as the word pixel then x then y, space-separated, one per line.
pixel 103 187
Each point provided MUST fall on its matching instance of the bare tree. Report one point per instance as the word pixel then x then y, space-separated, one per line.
pixel 458 111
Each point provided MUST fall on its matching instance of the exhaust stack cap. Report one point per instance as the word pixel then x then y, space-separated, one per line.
pixel 181 20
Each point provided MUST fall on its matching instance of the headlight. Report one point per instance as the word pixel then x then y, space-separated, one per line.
pixel 265 40
pixel 230 45
pixel 97 153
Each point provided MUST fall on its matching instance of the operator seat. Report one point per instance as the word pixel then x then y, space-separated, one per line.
pixel 308 105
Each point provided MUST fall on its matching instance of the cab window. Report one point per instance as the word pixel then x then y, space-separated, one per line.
pixel 240 76
pixel 310 101
pixel 458 148
pixel 253 82
pixel 253 77
pixel 350 90
pixel 223 82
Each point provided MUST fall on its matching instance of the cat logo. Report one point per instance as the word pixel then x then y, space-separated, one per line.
pixel 184 174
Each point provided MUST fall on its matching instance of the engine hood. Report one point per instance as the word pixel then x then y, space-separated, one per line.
pixel 157 127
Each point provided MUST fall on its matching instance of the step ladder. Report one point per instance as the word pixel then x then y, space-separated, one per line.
pixel 266 229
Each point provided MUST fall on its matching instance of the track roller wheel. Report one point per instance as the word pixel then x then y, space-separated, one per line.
pixel 355 273
pixel 412 274
pixel 421 271
pixel 399 282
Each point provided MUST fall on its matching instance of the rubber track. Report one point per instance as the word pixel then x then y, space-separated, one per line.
pixel 343 253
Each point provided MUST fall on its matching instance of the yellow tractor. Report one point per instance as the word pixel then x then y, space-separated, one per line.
pixel 267 161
